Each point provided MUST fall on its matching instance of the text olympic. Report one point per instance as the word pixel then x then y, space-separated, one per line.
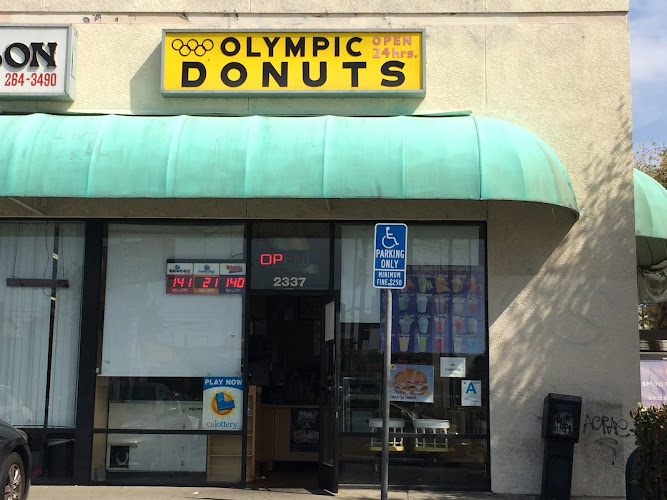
pixel 234 74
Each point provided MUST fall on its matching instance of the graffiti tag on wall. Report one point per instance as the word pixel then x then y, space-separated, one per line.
pixel 610 428
pixel 607 425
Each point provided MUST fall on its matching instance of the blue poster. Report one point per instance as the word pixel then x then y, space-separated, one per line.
pixel 440 310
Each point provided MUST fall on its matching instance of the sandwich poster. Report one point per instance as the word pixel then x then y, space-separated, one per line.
pixel 223 404
pixel 411 383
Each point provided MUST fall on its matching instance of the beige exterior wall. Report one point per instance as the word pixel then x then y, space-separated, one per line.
pixel 562 316
pixel 562 294
pixel 314 6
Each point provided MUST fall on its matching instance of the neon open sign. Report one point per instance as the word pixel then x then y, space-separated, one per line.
pixel 292 258
pixel 290 262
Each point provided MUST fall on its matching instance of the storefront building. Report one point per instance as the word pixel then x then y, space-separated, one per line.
pixel 651 231
pixel 188 202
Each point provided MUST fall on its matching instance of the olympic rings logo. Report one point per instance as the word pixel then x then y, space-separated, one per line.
pixel 192 45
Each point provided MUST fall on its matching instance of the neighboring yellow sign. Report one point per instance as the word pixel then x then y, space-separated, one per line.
pixel 274 62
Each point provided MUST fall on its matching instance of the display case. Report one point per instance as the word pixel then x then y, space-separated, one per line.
pixel 361 402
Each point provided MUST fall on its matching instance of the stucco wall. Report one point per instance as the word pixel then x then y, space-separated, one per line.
pixel 313 6
pixel 562 294
pixel 563 321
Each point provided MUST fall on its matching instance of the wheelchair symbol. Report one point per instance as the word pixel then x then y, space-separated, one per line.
pixel 388 240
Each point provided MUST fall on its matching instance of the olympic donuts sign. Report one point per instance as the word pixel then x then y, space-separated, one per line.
pixel 301 62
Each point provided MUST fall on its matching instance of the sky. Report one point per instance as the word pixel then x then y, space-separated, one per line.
pixel 648 52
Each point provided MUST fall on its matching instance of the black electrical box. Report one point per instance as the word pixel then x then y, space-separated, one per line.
pixel 561 417
pixel 560 429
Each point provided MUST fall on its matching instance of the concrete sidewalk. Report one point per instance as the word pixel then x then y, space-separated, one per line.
pixel 170 493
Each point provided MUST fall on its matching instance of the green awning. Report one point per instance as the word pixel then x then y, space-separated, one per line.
pixel 650 220
pixel 400 157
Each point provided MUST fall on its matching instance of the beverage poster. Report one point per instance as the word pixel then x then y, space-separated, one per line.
pixel 223 404
pixel 411 383
pixel 305 430
pixel 440 310
pixel 653 374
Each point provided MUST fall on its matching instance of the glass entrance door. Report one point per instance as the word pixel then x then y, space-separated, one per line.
pixel 330 398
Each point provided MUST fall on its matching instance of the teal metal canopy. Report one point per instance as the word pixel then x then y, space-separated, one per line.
pixel 650 220
pixel 401 157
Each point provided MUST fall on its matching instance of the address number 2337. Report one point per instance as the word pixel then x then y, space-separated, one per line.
pixel 289 281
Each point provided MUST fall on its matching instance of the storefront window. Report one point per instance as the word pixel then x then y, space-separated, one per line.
pixel 41 282
pixel 31 255
pixel 439 372
pixel 149 332
pixel 152 402
pixel 136 457
pixel 171 350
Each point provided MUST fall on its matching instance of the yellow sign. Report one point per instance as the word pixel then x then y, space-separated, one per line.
pixel 274 62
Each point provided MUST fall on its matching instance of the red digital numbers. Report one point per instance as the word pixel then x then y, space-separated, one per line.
pixel 207 282
pixel 205 278
pixel 179 284
pixel 238 282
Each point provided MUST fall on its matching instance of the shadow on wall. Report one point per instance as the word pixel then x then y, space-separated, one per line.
pixel 558 288
pixel 146 98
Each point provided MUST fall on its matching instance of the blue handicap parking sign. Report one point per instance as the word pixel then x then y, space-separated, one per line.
pixel 389 255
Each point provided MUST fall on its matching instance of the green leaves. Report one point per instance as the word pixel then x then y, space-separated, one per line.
pixel 652 160
pixel 651 438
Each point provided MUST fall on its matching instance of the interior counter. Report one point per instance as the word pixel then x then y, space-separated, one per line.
pixel 279 440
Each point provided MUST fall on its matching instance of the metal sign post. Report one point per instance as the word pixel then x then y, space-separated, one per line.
pixel 388 272
pixel 384 480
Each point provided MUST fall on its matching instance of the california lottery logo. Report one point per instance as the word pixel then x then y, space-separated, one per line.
pixel 223 403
